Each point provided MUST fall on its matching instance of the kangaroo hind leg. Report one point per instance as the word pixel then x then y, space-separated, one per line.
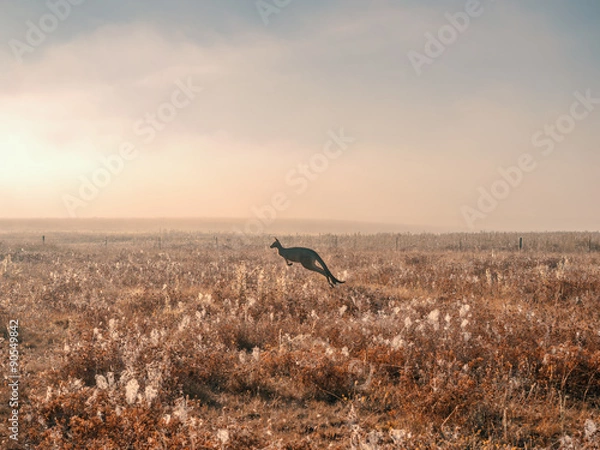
pixel 311 265
pixel 330 278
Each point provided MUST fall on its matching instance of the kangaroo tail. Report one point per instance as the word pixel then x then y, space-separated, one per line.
pixel 327 271
pixel 336 280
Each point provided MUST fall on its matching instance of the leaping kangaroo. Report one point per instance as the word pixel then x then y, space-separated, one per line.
pixel 308 258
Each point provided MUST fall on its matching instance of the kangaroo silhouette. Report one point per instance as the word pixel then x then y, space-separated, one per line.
pixel 308 258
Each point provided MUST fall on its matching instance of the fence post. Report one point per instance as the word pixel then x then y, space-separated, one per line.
pixel 521 243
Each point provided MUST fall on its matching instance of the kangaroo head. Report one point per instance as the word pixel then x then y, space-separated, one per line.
pixel 275 244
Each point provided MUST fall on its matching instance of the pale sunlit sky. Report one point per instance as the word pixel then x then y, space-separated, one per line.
pixel 218 108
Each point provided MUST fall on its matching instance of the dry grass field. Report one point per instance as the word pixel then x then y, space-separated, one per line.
pixel 210 342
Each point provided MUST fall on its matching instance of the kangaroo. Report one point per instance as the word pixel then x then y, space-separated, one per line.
pixel 308 258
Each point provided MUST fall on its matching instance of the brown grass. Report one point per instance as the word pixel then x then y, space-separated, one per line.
pixel 131 346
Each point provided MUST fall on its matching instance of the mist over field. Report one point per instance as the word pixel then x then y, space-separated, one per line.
pixel 235 226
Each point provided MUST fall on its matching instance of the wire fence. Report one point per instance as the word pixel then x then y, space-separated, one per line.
pixel 552 242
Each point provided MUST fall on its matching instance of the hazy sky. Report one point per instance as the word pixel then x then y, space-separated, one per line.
pixel 382 111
